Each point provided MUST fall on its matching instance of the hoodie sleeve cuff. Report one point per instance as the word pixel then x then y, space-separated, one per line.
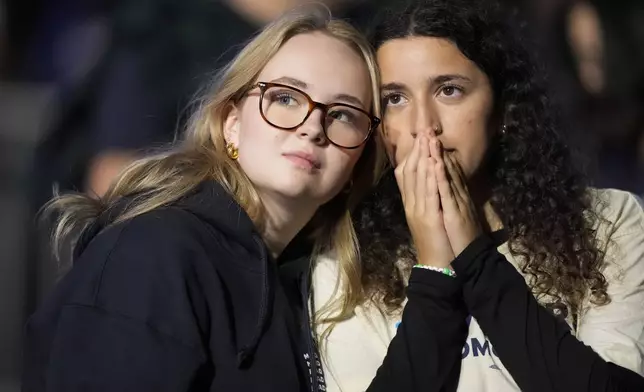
pixel 463 262
pixel 433 284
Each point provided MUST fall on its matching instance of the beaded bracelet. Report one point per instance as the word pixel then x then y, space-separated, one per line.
pixel 444 271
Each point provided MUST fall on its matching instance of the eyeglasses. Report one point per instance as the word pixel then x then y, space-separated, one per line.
pixel 287 108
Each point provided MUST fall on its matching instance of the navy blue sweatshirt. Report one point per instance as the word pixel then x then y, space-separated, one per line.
pixel 183 298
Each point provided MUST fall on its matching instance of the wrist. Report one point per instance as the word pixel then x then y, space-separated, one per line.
pixel 448 271
pixel 434 263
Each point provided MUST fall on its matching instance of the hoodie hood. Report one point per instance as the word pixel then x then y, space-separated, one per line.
pixel 214 206
pixel 211 203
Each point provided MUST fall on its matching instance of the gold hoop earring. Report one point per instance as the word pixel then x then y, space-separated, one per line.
pixel 232 151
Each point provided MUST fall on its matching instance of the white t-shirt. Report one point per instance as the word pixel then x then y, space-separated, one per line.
pixel 355 348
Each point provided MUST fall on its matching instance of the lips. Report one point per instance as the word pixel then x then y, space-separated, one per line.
pixel 303 159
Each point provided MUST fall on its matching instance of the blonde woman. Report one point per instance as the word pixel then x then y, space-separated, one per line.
pixel 181 280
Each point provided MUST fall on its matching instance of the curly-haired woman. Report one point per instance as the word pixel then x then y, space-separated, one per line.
pixel 546 273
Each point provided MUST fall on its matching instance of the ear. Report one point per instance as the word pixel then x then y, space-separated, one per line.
pixel 232 125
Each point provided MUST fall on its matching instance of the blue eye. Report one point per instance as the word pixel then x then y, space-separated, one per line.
pixel 284 98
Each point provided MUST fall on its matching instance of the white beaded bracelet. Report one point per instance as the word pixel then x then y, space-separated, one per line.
pixel 444 270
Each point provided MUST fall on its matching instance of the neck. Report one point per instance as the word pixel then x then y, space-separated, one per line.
pixel 283 221
pixel 490 219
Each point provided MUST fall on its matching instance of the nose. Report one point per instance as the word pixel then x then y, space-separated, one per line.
pixel 425 121
pixel 312 128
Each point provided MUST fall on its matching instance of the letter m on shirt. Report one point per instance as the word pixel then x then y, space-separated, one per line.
pixel 478 349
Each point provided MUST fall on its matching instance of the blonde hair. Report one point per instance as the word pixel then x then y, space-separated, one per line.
pixel 164 178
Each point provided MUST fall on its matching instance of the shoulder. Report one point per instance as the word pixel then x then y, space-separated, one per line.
pixel 157 251
pixel 614 330
pixel 620 212
pixel 620 234
pixel 149 269
pixel 153 232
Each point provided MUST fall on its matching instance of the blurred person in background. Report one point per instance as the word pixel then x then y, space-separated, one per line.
pixel 597 69
pixel 593 53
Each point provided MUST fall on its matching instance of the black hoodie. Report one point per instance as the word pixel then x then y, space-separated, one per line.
pixel 183 298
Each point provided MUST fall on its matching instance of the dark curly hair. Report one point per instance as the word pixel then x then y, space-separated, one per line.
pixel 540 195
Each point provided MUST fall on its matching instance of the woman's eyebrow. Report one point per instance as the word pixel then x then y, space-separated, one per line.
pixel 393 86
pixel 448 78
pixel 291 81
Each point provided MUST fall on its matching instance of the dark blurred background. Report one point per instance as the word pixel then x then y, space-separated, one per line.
pixel 87 85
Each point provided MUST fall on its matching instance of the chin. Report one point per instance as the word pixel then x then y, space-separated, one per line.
pixel 301 189
pixel 290 189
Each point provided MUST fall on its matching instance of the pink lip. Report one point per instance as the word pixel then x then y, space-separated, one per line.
pixel 303 159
